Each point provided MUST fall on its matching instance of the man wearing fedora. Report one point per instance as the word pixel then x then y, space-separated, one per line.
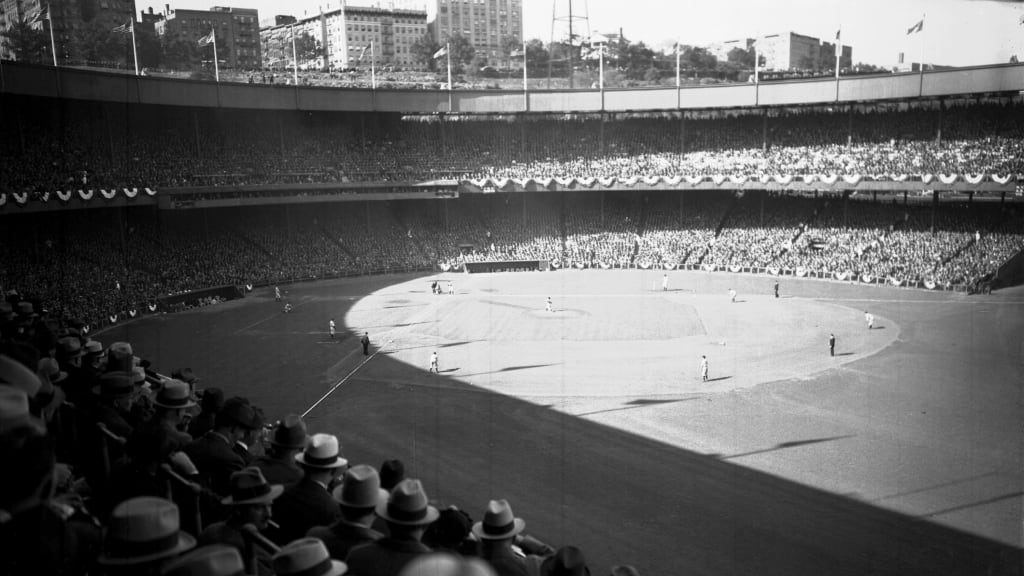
pixel 169 407
pixel 143 534
pixel 278 464
pixel 215 560
pixel 358 495
pixel 309 503
pixel 214 453
pixel 249 503
pixel 497 532
pixel 407 513
pixel 306 557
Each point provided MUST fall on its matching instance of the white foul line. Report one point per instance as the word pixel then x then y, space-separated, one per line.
pixel 347 376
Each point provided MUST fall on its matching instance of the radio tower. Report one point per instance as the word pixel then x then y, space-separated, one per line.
pixel 561 17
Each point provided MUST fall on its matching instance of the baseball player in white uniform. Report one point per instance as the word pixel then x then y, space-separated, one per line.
pixel 433 363
pixel 704 368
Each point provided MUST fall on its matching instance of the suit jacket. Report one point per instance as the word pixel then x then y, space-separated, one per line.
pixel 385 557
pixel 301 507
pixel 230 535
pixel 504 561
pixel 216 460
pixel 342 536
pixel 278 471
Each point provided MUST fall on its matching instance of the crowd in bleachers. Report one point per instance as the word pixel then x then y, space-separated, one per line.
pixel 116 263
pixel 94 146
pixel 113 468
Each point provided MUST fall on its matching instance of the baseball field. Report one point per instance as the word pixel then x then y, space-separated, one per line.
pixel 901 454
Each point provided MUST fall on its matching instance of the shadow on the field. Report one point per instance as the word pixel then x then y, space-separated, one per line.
pixel 510 305
pixel 639 403
pixel 845 354
pixel 453 344
pixel 417 305
pixel 1012 495
pixel 720 378
pixel 783 446
pixel 511 369
pixel 878 327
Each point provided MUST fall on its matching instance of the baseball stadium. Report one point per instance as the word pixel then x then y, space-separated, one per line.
pixel 722 330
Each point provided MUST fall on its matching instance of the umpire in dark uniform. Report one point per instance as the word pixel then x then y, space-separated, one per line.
pixel 831 344
pixel 365 341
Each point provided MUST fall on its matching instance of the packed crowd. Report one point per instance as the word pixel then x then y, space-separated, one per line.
pixel 95 146
pixel 117 263
pixel 113 468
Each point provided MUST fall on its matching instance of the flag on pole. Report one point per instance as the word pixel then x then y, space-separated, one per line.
pixel 916 27
pixel 125 28
pixel 517 53
pixel 441 52
pixel 208 39
pixel 839 33
pixel 43 14
pixel 362 53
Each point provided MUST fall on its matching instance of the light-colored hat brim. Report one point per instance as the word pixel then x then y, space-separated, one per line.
pixel 431 516
pixel 275 491
pixel 517 526
pixel 185 543
pixel 301 459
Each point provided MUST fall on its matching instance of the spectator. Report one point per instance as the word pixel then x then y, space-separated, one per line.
pixel 309 503
pixel 408 514
pixel 497 533
pixel 213 454
pixel 249 502
pixel 143 535
pixel 358 495
pixel 279 464
pixel 306 557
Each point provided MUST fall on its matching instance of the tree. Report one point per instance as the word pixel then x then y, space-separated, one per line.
pixel 462 51
pixel 634 59
pixel 148 46
pixel 28 44
pixel 536 58
pixel 423 51
pixel 512 45
pixel 93 42
pixel 178 53
pixel 742 58
pixel 307 48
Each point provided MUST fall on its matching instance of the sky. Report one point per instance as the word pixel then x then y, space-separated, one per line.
pixel 956 32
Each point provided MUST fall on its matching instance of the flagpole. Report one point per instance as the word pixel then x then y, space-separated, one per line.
pixel 295 59
pixel 448 55
pixel 678 85
pixel 920 88
pixel 53 44
pixel 373 69
pixel 600 68
pixel 524 65
pixel 839 51
pixel 135 51
pixel 216 65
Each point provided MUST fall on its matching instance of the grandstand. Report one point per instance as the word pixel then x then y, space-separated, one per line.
pixel 114 215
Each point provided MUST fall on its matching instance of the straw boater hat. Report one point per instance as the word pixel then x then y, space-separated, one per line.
pixel 290 432
pixel 142 530
pixel 407 505
pixel 322 451
pixel 307 557
pixel 498 522
pixel 213 560
pixel 360 488
pixel 174 394
pixel 248 486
